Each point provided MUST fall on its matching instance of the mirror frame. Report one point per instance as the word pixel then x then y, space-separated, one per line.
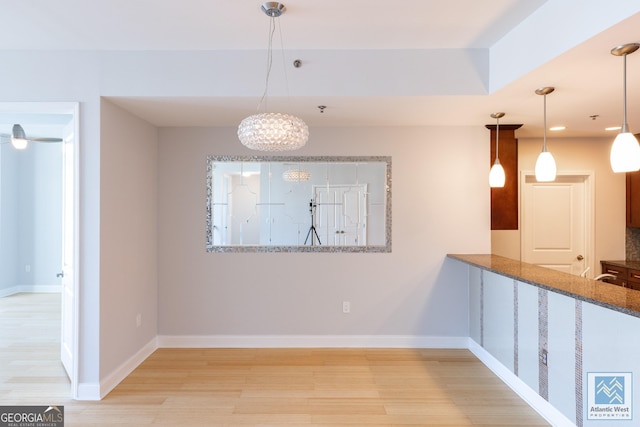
pixel 292 248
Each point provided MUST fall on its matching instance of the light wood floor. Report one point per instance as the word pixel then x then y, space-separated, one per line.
pixel 258 387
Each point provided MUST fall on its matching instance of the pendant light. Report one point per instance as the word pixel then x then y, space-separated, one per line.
pixel 272 131
pixel 545 165
pixel 625 151
pixel 496 174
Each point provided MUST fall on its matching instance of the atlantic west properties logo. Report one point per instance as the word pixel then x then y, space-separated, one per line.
pixel 609 396
pixel 32 416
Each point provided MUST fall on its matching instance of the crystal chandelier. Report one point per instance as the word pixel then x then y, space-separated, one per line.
pixel 272 131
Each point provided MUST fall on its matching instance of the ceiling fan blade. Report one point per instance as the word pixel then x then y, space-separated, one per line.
pixel 45 139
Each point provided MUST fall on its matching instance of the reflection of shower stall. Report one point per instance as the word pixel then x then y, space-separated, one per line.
pixel 341 214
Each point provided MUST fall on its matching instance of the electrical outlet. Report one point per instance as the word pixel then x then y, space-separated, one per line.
pixel 139 320
pixel 27 268
pixel 544 357
pixel 346 307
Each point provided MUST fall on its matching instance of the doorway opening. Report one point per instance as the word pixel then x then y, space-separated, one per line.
pixel 557 222
pixel 39 211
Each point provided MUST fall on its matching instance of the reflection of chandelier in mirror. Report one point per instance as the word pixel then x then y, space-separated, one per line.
pixel 296 175
pixel 272 131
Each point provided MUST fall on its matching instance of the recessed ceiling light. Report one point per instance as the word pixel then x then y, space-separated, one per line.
pixel 556 128
pixel 613 128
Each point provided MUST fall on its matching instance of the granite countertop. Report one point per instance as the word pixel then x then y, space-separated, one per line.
pixel 607 295
pixel 634 265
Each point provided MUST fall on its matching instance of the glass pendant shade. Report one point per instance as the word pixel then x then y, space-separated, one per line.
pixel 545 167
pixel 496 175
pixel 625 153
pixel 273 132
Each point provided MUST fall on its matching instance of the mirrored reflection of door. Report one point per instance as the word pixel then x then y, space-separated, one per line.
pixel 341 216
pixel 555 223
pixel 241 211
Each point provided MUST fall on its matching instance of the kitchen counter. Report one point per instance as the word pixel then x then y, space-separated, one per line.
pixel 610 296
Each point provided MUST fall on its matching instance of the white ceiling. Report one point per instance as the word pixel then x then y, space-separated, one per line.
pixel 240 24
pixel 588 79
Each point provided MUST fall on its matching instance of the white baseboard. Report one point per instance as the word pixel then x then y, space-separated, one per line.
pixel 309 341
pixel 9 291
pixel 112 380
pixel 29 289
pixel 41 288
pixel 533 399
pixel 88 391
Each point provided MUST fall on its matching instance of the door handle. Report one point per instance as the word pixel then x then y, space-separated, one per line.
pixel 61 274
pixel 579 257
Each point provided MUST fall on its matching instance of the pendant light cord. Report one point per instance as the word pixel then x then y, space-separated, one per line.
pixel 625 126
pixel 497 135
pixel 544 142
pixel 272 30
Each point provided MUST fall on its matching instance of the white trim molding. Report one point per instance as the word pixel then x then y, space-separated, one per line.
pixel 18 289
pixel 114 378
pixel 310 341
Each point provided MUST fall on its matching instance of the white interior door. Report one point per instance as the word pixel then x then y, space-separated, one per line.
pixel 555 223
pixel 69 301
pixel 341 214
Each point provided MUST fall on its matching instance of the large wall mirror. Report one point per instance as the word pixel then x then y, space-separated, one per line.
pixel 298 204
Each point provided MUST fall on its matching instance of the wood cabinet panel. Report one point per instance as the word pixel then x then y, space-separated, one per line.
pixel 619 272
pixel 504 201
pixel 633 197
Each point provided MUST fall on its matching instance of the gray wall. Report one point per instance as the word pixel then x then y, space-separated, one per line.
pixel 128 260
pixel 440 205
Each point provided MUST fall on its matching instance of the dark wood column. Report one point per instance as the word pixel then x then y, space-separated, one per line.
pixel 504 201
